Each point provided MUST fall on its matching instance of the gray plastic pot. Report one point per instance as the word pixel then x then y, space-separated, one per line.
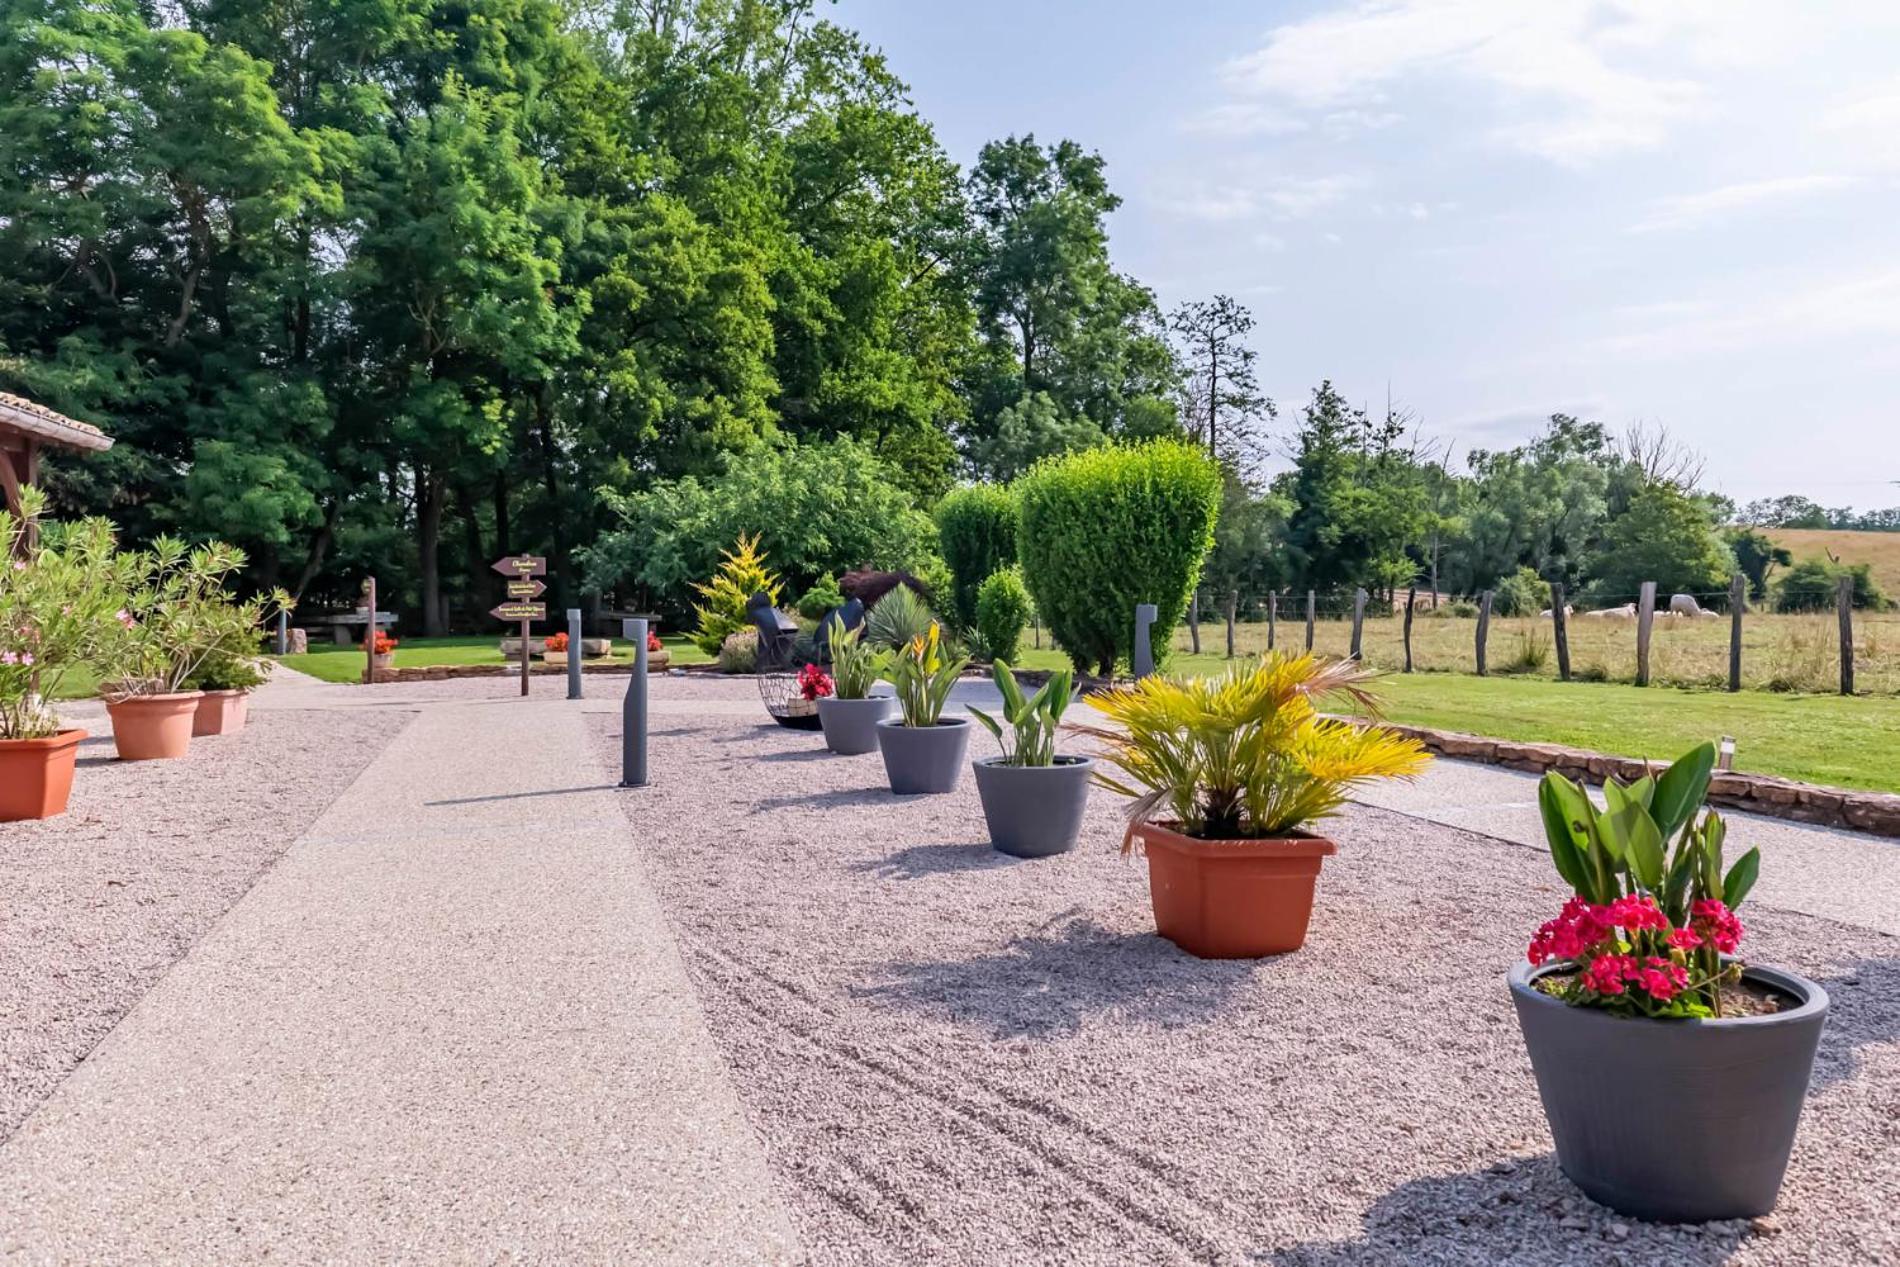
pixel 1677 1121
pixel 1033 811
pixel 923 758
pixel 850 725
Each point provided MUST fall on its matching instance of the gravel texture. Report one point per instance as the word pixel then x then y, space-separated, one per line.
pixel 100 902
pixel 957 1057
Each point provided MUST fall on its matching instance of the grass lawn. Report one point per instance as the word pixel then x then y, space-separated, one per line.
pixel 345 664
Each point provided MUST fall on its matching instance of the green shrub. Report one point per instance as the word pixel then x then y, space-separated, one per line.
pixel 820 598
pixel 1523 593
pixel 1109 528
pixel 976 530
pixel 741 575
pixel 739 653
pixel 1667 537
pixel 1811 585
pixel 1002 613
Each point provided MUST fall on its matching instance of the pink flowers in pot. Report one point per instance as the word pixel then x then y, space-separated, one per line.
pixel 1629 955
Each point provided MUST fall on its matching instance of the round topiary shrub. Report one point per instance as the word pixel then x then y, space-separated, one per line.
pixel 976 531
pixel 1002 611
pixel 1107 528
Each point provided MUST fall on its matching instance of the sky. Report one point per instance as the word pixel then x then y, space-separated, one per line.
pixel 1675 212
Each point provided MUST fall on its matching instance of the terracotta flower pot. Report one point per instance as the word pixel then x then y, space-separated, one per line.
pixel 221 713
pixel 658 660
pixel 556 659
pixel 384 660
pixel 1231 899
pixel 154 727
pixel 36 775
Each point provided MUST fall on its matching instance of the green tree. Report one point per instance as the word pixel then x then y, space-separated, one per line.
pixel 1667 537
pixel 1757 555
pixel 977 528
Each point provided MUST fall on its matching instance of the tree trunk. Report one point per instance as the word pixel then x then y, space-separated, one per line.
pixel 560 578
pixel 428 539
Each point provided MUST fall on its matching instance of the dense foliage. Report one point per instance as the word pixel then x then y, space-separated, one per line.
pixel 1813 585
pixel 976 528
pixel 1002 613
pixel 1109 528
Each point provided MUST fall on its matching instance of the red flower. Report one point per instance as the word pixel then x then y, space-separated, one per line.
pixel 1635 913
pixel 556 642
pixel 1574 934
pixel 813 682
pixel 654 643
pixel 1716 924
pixel 1685 939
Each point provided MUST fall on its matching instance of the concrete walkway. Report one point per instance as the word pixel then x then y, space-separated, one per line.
pixel 450 1026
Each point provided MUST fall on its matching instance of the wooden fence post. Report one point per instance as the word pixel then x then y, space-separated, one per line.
pixel 1737 604
pixel 1484 627
pixel 1233 601
pixel 1194 622
pixel 1273 615
pixel 1645 620
pixel 1309 619
pixel 1560 630
pixel 1358 620
pixel 1411 601
pixel 1844 599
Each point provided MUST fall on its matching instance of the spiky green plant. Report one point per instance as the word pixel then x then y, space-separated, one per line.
pixel 898 618
pixel 1245 754
pixel 742 574
pixel 1033 722
pixel 923 672
pixel 855 665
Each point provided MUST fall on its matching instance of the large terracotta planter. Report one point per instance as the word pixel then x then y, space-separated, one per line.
pixel 658 660
pixel 36 775
pixel 1679 1121
pixel 1231 899
pixel 154 727
pixel 221 713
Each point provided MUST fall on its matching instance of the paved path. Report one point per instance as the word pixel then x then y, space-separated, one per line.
pixel 450 1026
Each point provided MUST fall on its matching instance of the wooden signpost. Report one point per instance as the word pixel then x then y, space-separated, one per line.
pixel 522 571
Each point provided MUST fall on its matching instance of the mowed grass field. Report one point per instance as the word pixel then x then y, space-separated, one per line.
pixel 1881 549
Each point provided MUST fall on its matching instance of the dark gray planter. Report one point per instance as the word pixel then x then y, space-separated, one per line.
pixel 1674 1121
pixel 850 725
pixel 923 758
pixel 1033 811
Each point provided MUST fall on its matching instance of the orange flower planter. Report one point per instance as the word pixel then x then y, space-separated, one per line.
pixel 36 775
pixel 1231 899
pixel 154 727
pixel 221 713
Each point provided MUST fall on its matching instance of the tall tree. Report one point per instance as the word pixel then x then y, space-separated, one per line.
pixel 1225 407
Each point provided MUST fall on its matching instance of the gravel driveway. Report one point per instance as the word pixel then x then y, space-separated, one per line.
pixel 100 902
pixel 957 1057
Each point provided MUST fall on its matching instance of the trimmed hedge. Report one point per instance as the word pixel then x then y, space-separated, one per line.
pixel 1002 613
pixel 1108 528
pixel 976 531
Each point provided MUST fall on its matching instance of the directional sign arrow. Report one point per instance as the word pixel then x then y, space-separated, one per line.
pixel 521 565
pixel 519 611
pixel 526 588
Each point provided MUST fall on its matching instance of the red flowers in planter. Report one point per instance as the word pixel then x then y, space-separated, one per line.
pixel 813 682
pixel 385 645
pixel 1629 956
pixel 654 643
pixel 556 642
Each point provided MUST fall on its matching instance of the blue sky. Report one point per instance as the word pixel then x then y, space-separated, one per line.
pixel 1682 212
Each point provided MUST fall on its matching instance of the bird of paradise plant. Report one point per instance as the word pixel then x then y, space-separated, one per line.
pixel 1246 754
pixel 923 673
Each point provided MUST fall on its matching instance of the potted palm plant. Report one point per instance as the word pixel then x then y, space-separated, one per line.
pixel 1033 797
pixel 58 597
pixel 1671 1074
pixel 923 749
pixel 850 714
pixel 1223 773
pixel 170 627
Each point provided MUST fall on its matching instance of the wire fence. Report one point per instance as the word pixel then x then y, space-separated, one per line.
pixel 1787 652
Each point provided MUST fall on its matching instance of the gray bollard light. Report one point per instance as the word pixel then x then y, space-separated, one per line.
pixel 633 710
pixel 573 653
pixel 1144 658
pixel 283 633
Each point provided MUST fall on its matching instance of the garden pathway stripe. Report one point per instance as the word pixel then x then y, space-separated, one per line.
pixel 451 1025
pixel 1849 877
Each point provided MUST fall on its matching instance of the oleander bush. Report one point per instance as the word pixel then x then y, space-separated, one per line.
pixel 976 530
pixel 1111 527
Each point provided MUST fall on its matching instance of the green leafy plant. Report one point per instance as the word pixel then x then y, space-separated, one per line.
pixel 1111 527
pixel 1033 721
pixel 741 575
pixel 178 616
pixel 923 671
pixel 899 618
pixel 1650 923
pixel 976 529
pixel 1246 754
pixel 61 604
pixel 822 598
pixel 856 665
pixel 1002 613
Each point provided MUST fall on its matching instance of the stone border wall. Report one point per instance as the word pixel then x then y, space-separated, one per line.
pixel 1875 812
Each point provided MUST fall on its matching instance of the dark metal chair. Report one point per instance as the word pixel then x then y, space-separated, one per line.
pixel 778 664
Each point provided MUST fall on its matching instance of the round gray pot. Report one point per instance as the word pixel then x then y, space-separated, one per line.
pixel 1033 811
pixel 850 725
pixel 1678 1121
pixel 923 758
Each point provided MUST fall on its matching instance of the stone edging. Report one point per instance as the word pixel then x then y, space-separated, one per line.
pixel 1875 812
pixel 443 672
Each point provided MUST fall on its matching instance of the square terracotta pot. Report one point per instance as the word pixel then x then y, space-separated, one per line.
pixel 1231 899
pixel 36 775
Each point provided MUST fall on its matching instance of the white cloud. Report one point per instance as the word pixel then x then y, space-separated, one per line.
pixel 1865 303
pixel 1569 80
pixel 1245 118
pixel 1682 211
pixel 1282 199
